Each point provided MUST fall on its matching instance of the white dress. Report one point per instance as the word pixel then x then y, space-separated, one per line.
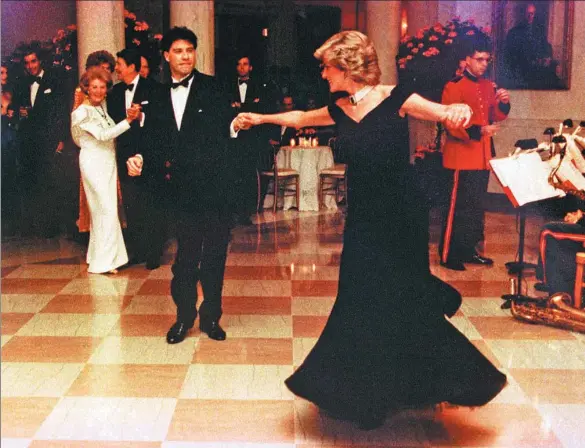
pixel 94 131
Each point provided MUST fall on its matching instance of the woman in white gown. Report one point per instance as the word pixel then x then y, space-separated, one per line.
pixel 94 131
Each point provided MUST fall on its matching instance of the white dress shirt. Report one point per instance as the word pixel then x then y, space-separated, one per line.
pixel 34 89
pixel 129 97
pixel 129 94
pixel 243 89
pixel 179 97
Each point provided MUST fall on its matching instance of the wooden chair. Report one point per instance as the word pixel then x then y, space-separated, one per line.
pixel 268 170
pixel 578 293
pixel 334 176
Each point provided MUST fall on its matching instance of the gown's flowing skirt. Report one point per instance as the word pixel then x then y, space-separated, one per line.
pixel 106 250
pixel 387 344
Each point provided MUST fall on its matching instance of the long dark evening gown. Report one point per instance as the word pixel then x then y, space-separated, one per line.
pixel 387 344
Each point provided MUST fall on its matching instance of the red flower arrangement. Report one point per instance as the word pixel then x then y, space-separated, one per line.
pixel 432 56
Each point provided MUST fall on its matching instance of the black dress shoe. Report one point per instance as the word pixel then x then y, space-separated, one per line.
pixel 178 332
pixel 478 259
pixel 213 330
pixel 454 265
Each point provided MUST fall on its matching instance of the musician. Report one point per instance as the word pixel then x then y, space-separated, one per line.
pixel 466 155
pixel 559 242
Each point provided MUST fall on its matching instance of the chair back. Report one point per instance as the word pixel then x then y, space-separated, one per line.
pixel 267 159
pixel 337 150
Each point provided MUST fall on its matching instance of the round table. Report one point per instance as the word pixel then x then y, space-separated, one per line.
pixel 308 161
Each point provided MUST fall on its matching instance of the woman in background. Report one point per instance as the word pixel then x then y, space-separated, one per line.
pixel 94 131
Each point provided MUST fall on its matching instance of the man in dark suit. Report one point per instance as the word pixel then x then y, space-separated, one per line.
pixel 249 94
pixel 187 167
pixel 43 129
pixel 145 233
pixel 287 104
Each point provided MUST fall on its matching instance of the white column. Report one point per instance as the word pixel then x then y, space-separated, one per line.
pixel 100 26
pixel 198 16
pixel 383 28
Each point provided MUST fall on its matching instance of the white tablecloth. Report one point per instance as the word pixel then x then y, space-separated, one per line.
pixel 308 161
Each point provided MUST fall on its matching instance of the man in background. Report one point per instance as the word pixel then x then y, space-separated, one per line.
pixel 145 232
pixel 43 129
pixel 249 94
pixel 466 156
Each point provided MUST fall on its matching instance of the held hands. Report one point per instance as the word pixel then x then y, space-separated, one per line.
pixel 134 113
pixel 457 115
pixel 247 119
pixel 573 217
pixel 134 165
pixel 502 96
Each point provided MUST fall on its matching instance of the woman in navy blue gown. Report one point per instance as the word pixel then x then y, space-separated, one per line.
pixel 387 345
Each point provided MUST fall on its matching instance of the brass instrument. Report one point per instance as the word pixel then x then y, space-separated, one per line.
pixel 556 311
pixel 566 145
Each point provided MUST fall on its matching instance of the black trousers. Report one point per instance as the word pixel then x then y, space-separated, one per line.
pixel 202 245
pixel 559 242
pixel 146 231
pixel 463 223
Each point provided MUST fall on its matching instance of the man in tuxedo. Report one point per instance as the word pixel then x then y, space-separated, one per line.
pixel 186 166
pixel 286 134
pixel 249 94
pixel 144 236
pixel 43 129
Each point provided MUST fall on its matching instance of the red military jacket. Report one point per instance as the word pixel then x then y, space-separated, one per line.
pixel 467 149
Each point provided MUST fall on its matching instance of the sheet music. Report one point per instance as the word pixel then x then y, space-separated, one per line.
pixel 526 177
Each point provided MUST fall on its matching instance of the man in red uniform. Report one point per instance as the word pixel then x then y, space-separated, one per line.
pixel 466 155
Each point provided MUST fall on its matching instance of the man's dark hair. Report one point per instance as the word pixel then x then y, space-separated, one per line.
pixel 32 49
pixel 242 56
pixel 100 57
pixel 131 57
pixel 178 33
pixel 476 43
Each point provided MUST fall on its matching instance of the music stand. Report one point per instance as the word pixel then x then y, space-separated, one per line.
pixel 516 267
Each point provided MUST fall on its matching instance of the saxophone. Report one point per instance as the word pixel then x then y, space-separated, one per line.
pixel 556 311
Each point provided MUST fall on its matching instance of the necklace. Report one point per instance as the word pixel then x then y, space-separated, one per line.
pixel 360 95
pixel 103 113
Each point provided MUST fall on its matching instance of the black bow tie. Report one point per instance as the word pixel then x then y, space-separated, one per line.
pixel 184 82
pixel 34 79
pixel 243 81
pixel 129 86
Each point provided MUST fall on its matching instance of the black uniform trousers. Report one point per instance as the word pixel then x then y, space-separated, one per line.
pixel 202 245
pixel 463 223
pixel 559 242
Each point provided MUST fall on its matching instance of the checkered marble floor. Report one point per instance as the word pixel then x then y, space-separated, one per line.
pixel 85 362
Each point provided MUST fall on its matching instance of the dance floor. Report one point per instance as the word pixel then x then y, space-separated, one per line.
pixel 85 362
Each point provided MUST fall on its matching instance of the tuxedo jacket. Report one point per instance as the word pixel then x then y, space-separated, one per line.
pixel 48 120
pixel 285 138
pixel 190 168
pixel 260 98
pixel 128 144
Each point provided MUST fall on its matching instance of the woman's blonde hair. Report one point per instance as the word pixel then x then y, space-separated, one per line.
pixel 94 73
pixel 354 53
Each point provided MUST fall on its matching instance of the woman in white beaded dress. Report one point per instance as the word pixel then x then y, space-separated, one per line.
pixel 94 131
